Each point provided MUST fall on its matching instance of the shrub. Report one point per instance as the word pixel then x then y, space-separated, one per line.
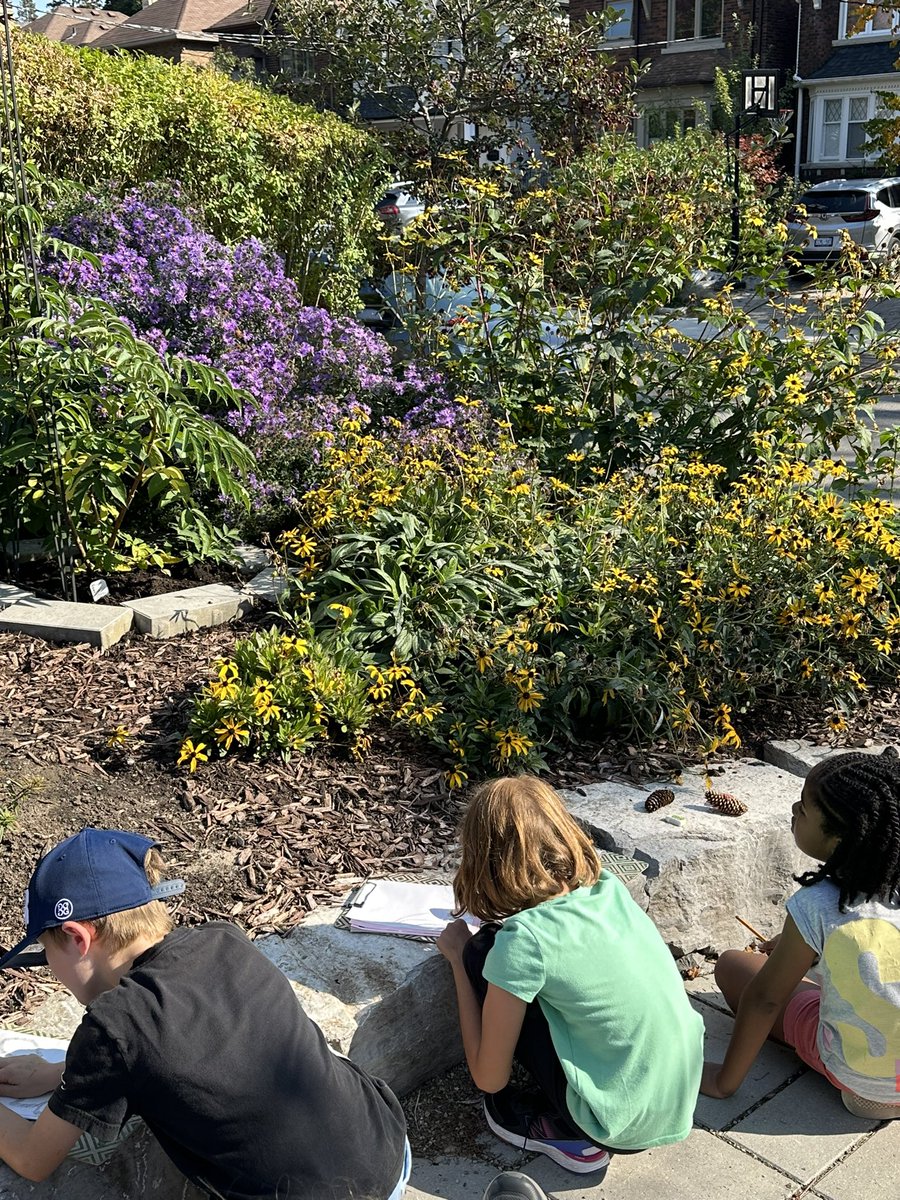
pixel 252 163
pixel 235 308
pixel 104 446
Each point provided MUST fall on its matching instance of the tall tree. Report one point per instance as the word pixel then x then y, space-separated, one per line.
pixel 462 77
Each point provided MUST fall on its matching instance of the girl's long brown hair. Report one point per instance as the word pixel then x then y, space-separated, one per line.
pixel 519 847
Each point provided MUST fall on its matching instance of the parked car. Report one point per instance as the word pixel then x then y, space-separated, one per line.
pixel 868 210
pixel 398 207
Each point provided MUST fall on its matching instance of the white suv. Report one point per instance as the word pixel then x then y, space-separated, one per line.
pixel 868 210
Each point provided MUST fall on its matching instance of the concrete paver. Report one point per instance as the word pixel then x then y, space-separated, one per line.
pixel 803 1129
pixel 774 1066
pixel 870 1171
pixel 62 621
pixel 172 613
pixel 11 593
pixel 704 1166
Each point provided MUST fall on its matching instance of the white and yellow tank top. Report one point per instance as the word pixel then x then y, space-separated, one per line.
pixel 859 973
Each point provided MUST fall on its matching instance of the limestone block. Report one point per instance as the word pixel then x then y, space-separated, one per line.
pixel 799 756
pixel 185 611
pixel 250 559
pixel 268 585
pixel 10 593
pixel 63 621
pixel 699 875
pixel 139 1168
pixel 387 1002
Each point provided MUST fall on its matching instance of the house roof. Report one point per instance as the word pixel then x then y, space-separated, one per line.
pixel 168 20
pixel 248 15
pixel 75 26
pixel 876 58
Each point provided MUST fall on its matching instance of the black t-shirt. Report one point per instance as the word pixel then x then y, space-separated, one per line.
pixel 205 1039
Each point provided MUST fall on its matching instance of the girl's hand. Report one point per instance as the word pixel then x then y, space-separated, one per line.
pixel 709 1082
pixel 769 946
pixel 23 1075
pixel 453 939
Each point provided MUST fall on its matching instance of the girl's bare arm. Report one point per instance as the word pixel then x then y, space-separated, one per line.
pixel 763 999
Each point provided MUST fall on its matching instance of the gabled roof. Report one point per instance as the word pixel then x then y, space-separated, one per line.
pixel 172 20
pixel 249 15
pixel 75 26
pixel 876 58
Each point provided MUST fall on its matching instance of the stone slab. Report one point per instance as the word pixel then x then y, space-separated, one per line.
pixel 703 1167
pixel 387 1002
pixel 773 1067
pixel 11 593
pixel 140 1168
pixel 449 1178
pixel 799 755
pixel 870 1171
pixel 250 559
pixel 172 613
pixel 802 1130
pixel 268 584
pixel 63 621
pixel 700 875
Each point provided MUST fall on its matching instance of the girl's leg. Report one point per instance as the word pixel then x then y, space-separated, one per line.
pixel 736 968
pixel 534 1049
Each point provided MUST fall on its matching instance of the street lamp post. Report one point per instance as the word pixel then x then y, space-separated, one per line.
pixel 759 98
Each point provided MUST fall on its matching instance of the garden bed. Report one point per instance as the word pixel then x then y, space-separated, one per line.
pixel 42 578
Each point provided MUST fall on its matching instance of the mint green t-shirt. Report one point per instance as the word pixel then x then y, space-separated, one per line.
pixel 629 1042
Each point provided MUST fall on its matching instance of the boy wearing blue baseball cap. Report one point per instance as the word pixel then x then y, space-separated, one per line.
pixel 196 1032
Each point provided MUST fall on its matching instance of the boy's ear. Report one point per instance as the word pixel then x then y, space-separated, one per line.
pixel 81 934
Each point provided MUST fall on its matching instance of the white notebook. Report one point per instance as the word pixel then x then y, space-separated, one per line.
pixel 14 1042
pixel 408 909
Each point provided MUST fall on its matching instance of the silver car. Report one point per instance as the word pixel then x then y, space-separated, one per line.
pixel 867 210
pixel 399 207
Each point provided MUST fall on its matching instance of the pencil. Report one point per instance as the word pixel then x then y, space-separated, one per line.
pixel 759 936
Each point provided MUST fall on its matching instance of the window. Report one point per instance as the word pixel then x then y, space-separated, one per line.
pixel 878 21
pixel 666 123
pixel 693 20
pixel 621 13
pixel 842 131
pixel 296 64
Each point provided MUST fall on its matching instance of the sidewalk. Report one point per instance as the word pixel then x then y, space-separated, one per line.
pixel 783 1136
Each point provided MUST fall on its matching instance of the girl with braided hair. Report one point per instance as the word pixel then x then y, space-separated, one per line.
pixel 843 931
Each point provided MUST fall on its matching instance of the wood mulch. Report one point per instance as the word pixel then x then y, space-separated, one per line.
pixel 258 843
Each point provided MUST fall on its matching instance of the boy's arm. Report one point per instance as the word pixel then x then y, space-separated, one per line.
pixel 35 1149
pixel 762 1000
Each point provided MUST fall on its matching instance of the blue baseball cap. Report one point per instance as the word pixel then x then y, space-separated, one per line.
pixel 91 874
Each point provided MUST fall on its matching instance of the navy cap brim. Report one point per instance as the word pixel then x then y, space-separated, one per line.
pixel 28 953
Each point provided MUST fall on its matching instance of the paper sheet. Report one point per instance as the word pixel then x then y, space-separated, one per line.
pixel 411 909
pixel 14 1042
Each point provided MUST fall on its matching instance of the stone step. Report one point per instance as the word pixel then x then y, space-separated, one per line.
pixel 185 611
pixel 63 621
pixel 799 755
pixel 11 593
pixel 701 874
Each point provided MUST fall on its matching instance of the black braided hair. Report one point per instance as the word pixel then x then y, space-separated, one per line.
pixel 859 797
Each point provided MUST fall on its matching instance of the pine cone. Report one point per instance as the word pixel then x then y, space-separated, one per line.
pixel 726 803
pixel 659 799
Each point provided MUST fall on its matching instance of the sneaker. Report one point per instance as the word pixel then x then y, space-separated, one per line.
pixel 872 1110
pixel 537 1133
pixel 513 1185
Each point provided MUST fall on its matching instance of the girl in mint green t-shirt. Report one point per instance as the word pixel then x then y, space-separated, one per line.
pixel 575 984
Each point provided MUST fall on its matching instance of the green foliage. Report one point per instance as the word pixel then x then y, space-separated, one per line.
pixel 277 694
pixel 655 603
pixel 250 163
pixel 435 68
pixel 102 443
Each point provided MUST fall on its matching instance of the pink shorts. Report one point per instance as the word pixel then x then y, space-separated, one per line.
pixel 801 1025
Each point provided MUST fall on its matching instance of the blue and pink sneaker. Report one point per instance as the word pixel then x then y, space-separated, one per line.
pixel 538 1133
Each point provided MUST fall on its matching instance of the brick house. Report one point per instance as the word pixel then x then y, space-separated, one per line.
pixel 172 29
pixel 841 71
pixel 684 41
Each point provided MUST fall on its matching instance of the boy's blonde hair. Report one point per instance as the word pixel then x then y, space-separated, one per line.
pixel 519 847
pixel 120 929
